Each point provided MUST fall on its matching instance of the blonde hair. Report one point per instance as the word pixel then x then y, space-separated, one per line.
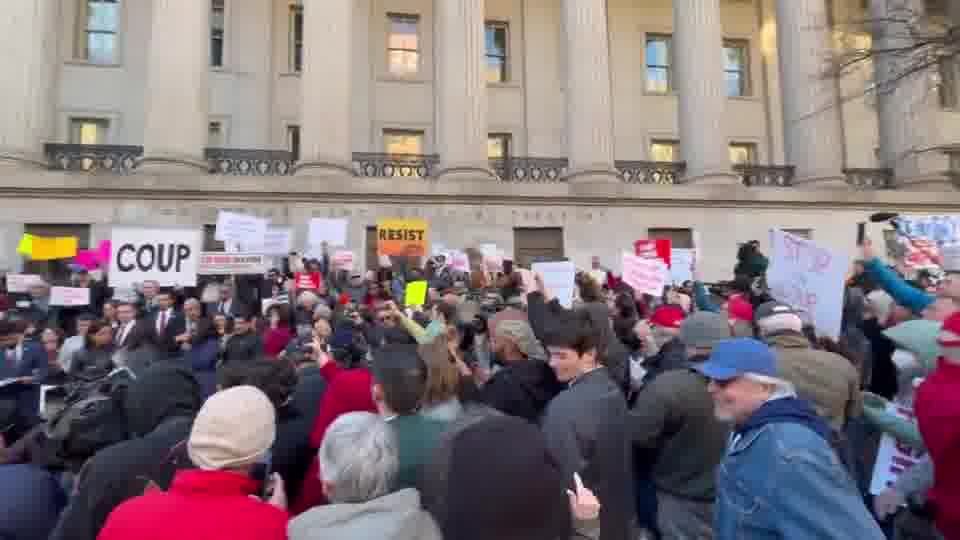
pixel 443 379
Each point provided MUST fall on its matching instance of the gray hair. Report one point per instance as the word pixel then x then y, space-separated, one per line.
pixel 781 387
pixel 191 301
pixel 359 458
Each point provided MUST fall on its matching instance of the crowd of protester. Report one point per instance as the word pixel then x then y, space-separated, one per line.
pixel 246 408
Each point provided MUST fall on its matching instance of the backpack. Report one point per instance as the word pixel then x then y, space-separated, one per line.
pixel 93 417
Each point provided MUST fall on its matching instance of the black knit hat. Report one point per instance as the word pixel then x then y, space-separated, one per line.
pixel 503 484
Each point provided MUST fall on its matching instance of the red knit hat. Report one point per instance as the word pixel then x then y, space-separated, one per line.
pixel 739 308
pixel 951 325
pixel 667 316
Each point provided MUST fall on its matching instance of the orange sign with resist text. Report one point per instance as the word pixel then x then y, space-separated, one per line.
pixel 402 237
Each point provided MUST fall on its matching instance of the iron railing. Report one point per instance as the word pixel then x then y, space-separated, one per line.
pixel 869 178
pixel 530 169
pixel 93 158
pixel 651 172
pixel 372 165
pixel 229 161
pixel 765 175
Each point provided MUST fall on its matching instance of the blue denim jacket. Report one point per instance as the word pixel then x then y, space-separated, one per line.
pixel 784 481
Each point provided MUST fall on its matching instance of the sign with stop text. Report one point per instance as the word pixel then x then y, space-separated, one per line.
pixel 167 256
pixel 402 237
pixel 810 278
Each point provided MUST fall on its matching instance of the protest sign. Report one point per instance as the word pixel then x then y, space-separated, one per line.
pixel 277 241
pixel 343 260
pixel 681 267
pixel 21 283
pixel 331 231
pixel 558 278
pixel 654 249
pixel 402 237
pixel 809 278
pixel 645 275
pixel 69 296
pixel 232 264
pixel 40 248
pixel 308 280
pixel 167 256
pixel 893 457
pixel 416 293
pixel 240 228
pixel 459 261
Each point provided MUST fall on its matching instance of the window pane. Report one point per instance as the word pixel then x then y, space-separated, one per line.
pixel 293 142
pixel 101 48
pixel 741 154
pixel 403 63
pixel 102 16
pixel 734 83
pixel 658 52
pixel 403 142
pixel 215 137
pixel 403 34
pixel 216 21
pixel 496 40
pixel 658 80
pixel 663 151
pixel 733 58
pixel 497 147
pixel 496 70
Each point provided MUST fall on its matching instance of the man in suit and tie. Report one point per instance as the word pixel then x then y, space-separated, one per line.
pixel 168 324
pixel 126 320
pixel 149 290
pixel 226 305
pixel 23 367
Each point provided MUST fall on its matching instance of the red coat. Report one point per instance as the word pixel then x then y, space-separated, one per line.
pixel 937 406
pixel 348 390
pixel 201 505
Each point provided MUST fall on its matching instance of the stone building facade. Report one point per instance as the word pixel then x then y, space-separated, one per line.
pixel 567 127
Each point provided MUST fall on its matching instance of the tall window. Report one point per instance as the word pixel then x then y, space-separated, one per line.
pixel 89 130
pixel 98 25
pixel 664 150
pixel 403 45
pixel 293 142
pixel 498 145
pixel 217 26
pixel 296 38
pixel 496 46
pixel 736 63
pixel 949 84
pixel 216 135
pixel 743 153
pixel 402 141
pixel 659 55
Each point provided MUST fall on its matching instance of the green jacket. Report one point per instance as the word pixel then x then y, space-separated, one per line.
pixel 417 436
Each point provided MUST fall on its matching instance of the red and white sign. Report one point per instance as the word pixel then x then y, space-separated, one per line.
pixel 231 264
pixel 645 275
pixel 893 457
pixel 343 260
pixel 69 296
pixel 304 280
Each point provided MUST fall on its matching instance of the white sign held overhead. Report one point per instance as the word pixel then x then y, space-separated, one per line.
pixel 232 264
pixel 645 275
pixel 240 228
pixel 681 265
pixel 277 241
pixel 809 278
pixel 331 231
pixel 168 256
pixel 558 278
pixel 21 283
pixel 69 296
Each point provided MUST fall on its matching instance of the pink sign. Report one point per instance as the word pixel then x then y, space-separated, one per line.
pixel 646 276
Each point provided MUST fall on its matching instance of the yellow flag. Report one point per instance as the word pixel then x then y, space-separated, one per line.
pixel 44 249
pixel 26 245
pixel 65 247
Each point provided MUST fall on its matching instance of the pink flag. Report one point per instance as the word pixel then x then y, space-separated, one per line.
pixel 88 259
pixel 103 251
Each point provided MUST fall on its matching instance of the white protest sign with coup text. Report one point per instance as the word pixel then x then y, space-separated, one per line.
pixel 809 278
pixel 645 275
pixel 167 256
pixel 69 296
pixel 558 278
pixel 240 228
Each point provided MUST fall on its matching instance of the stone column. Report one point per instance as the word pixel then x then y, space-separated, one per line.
pixel 589 104
pixel 178 89
pixel 811 106
pixel 698 44
pixel 28 67
pixel 326 147
pixel 462 90
pixel 906 102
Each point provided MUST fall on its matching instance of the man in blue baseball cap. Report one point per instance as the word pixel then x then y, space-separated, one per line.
pixel 780 472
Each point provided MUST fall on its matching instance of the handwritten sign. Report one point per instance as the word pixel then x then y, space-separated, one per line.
pixel 558 278
pixel 645 275
pixel 893 457
pixel 416 293
pixel 240 228
pixel 343 260
pixel 681 268
pixel 232 264
pixel 402 237
pixel 458 261
pixel 69 296
pixel 21 283
pixel 331 231
pixel 307 280
pixel 277 241
pixel 168 256
pixel 809 278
